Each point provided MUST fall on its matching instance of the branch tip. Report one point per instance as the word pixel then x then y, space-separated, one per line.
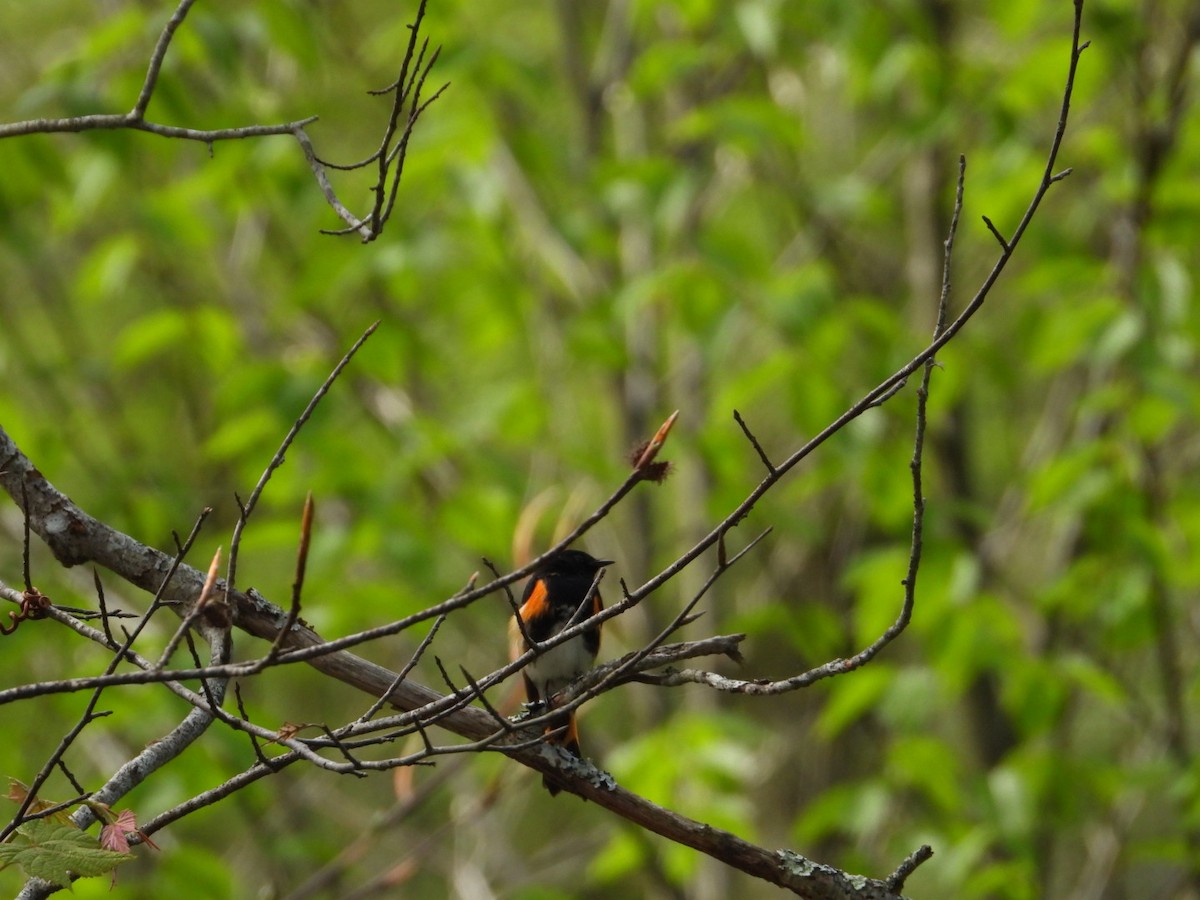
pixel 996 234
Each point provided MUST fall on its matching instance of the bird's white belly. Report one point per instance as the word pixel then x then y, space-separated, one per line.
pixel 558 666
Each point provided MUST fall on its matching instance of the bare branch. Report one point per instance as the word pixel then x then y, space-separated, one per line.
pixel 404 672
pixel 390 156
pixel 895 881
pixel 996 233
pixel 760 687
pixel 194 613
pixel 318 169
pixel 157 57
pixel 112 642
pixel 900 375
pixel 762 454
pixel 118 121
pixel 306 520
pixel 278 458
pixel 393 149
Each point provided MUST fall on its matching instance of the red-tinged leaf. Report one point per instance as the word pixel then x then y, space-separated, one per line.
pixel 18 791
pixel 112 837
pixel 115 835
pixel 289 730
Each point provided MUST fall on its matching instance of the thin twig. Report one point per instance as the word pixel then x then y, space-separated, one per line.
pixel 25 571
pixel 517 619
pixel 278 458
pixel 895 881
pixel 404 672
pixel 259 754
pixel 118 121
pixel 318 168
pixel 996 232
pixel 157 57
pixel 103 608
pixel 306 520
pixel 391 155
pixel 762 454
pixel 195 612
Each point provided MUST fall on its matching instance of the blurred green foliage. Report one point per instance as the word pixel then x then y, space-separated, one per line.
pixel 618 210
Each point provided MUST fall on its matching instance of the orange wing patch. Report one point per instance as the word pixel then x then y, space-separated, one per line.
pixel 537 604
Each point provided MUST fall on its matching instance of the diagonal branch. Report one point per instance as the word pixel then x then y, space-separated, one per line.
pixel 157 57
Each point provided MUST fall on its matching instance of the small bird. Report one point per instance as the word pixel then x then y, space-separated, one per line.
pixel 553 595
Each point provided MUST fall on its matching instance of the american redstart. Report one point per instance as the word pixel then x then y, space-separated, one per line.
pixel 553 596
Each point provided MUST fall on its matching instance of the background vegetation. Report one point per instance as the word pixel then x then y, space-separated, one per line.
pixel 617 210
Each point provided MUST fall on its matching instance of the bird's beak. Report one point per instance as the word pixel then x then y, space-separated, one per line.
pixel 601 563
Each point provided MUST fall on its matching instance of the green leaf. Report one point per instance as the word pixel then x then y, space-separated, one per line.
pixel 852 697
pixel 149 337
pixel 928 765
pixel 623 855
pixel 54 852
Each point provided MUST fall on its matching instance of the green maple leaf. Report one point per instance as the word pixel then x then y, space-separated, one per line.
pixel 53 852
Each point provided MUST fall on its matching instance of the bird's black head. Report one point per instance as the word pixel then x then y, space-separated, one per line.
pixel 573 562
